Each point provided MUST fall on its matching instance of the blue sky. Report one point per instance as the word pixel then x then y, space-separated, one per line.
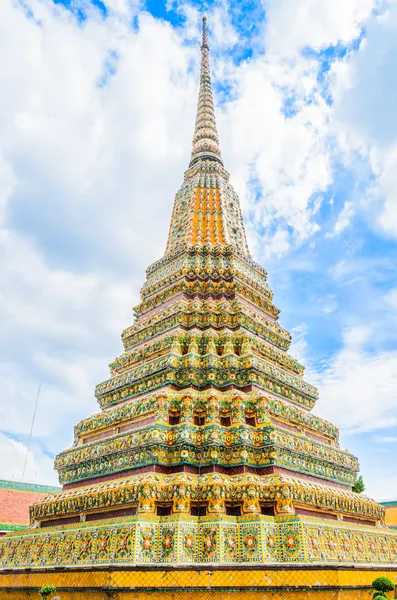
pixel 96 120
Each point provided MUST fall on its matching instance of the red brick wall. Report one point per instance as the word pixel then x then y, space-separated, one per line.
pixel 14 505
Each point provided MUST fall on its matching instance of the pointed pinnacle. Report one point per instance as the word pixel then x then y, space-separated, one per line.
pixel 205 138
pixel 204 40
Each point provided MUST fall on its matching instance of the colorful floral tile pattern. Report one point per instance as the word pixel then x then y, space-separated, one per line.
pixel 250 542
pixel 147 542
pixel 188 540
pixel 209 543
pixel 231 546
pixel 291 542
pixel 188 543
pixel 168 542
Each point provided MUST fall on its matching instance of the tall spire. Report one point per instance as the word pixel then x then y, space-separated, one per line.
pixel 206 209
pixel 205 138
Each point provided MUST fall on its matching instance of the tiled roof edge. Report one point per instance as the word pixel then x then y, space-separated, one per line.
pixel 11 526
pixel 390 503
pixel 26 487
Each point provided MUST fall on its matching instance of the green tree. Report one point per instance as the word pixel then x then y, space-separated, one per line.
pixel 46 590
pixel 382 585
pixel 359 485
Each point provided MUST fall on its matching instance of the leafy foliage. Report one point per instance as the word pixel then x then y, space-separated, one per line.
pixel 46 590
pixel 383 584
pixel 359 485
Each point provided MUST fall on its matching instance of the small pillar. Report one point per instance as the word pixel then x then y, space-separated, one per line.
pixel 187 409
pixel 146 500
pixel 238 411
pixel 251 501
pixel 161 410
pixel 262 413
pixel 213 409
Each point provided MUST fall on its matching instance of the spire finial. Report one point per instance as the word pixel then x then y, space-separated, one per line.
pixel 205 139
pixel 204 40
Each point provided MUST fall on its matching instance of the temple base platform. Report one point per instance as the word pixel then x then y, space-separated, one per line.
pixel 287 582
pixel 181 539
pixel 181 557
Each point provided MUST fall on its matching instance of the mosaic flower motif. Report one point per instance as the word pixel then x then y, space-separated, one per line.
pixel 291 542
pixel 208 541
pixel 271 542
pixel 331 544
pixel 188 541
pixel 250 542
pixel 122 543
pixel 85 545
pixel 102 543
pixel 315 542
pixel 68 549
pixel 146 542
pixel 167 542
pixel 230 541
pixel 52 548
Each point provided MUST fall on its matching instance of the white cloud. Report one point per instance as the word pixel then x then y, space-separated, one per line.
pixel 344 218
pixel 125 7
pixel 391 298
pixel 358 386
pixel 277 244
pixel 261 143
pixel 299 347
pixel 60 329
pixel 278 125
pixel 314 23
pixel 20 462
pixel 386 439
pixel 365 119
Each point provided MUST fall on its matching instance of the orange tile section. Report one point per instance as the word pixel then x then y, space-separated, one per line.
pixel 218 216
pixel 207 225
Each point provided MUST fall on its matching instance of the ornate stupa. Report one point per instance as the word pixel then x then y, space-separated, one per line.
pixel 205 449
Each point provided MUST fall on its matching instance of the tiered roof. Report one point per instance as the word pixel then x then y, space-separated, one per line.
pixel 205 382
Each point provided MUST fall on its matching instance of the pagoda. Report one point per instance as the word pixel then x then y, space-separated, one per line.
pixel 205 450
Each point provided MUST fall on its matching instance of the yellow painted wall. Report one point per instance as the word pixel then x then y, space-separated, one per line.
pixel 210 595
pixel 391 516
pixel 298 583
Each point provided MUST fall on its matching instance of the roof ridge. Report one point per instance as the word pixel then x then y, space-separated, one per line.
pixel 26 487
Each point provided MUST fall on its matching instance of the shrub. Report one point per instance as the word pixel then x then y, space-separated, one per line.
pixel 378 596
pixel 383 584
pixel 359 485
pixel 46 590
